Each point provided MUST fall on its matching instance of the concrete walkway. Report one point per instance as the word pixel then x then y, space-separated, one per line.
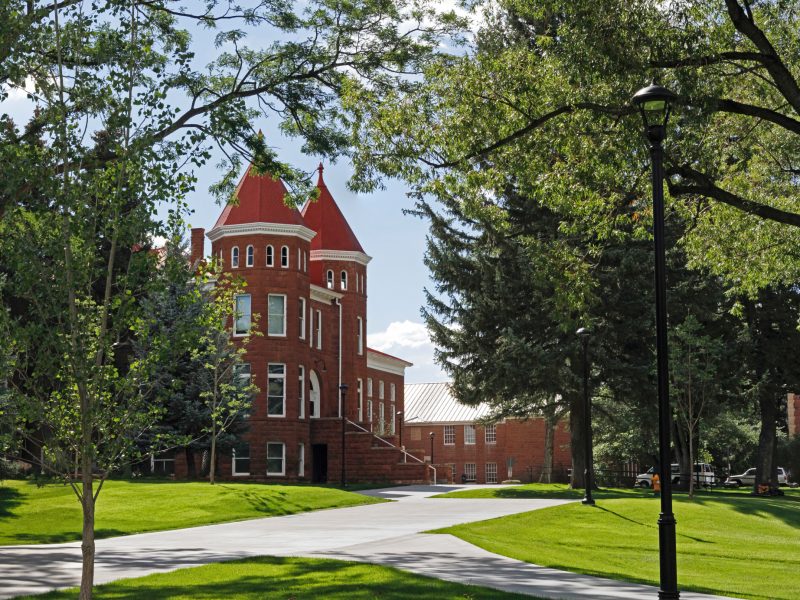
pixel 387 533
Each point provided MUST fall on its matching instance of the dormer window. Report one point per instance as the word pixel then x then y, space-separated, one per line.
pixel 235 257
pixel 270 256
pixel 285 257
pixel 251 256
pixel 343 280
pixel 329 279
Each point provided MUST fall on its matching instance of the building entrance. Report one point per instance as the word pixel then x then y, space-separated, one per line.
pixel 319 472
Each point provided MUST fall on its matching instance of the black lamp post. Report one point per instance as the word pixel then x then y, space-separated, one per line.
pixel 343 392
pixel 432 435
pixel 654 103
pixel 400 419
pixel 584 334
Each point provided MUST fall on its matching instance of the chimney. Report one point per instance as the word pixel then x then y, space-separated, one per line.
pixel 198 243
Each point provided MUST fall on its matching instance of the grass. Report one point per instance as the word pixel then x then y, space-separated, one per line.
pixel 30 514
pixel 287 579
pixel 728 542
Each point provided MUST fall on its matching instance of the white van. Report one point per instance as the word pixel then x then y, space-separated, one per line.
pixel 703 475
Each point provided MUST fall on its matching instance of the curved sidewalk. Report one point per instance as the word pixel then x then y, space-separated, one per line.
pixel 387 533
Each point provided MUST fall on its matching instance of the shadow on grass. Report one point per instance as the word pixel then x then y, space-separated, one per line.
pixel 9 499
pixel 784 508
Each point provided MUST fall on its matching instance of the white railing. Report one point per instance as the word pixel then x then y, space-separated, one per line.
pixel 391 445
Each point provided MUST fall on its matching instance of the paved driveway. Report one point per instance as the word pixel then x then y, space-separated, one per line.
pixel 387 533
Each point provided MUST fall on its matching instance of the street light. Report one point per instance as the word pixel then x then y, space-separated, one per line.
pixel 654 103
pixel 584 334
pixel 343 392
pixel 432 435
pixel 400 418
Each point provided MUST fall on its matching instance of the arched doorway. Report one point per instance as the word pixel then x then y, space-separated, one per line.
pixel 314 397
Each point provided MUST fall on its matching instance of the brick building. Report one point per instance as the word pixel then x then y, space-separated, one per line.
pixel 463 449
pixel 793 413
pixel 306 275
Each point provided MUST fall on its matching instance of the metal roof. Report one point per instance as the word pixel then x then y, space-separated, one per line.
pixel 434 403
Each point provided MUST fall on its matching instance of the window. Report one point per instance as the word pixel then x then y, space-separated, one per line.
pixel 235 257
pixel 491 472
pixel 369 387
pixel 276 454
pixel 305 263
pixel 251 256
pixel 452 473
pixel 490 435
pixel 285 257
pixel 301 391
pixel 393 415
pixel 392 392
pixel 298 259
pixel 380 389
pixel 343 281
pixel 276 314
pixel 311 327
pixel 276 390
pixel 301 460
pixel 301 309
pixel 162 464
pixel 381 419
pixel 240 461
pixel 449 435
pixel 360 335
pixel 270 256
pixel 369 410
pixel 319 330
pixel 360 390
pixel 241 375
pixel 242 316
pixel 329 279
pixel 469 471
pixel 469 434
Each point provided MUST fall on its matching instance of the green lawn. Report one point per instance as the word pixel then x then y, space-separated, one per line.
pixel 52 514
pixel 728 543
pixel 288 579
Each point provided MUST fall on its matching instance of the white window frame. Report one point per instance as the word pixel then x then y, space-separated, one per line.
pixel 250 256
pixel 449 435
pixel 469 435
pixel 369 411
pixel 343 281
pixel 235 257
pixel 392 422
pixel 301 459
pixel 490 434
pixel 392 392
pixel 236 313
pixel 471 473
pixel 282 378
pixel 234 472
pixel 360 391
pixel 319 329
pixel 284 257
pixel 381 389
pixel 298 259
pixel 310 327
pixel 490 473
pixel 302 317
pixel 369 387
pixel 329 279
pixel 360 335
pixel 301 396
pixel 305 262
pixel 282 333
pixel 283 459
pixel 381 418
pixel 270 256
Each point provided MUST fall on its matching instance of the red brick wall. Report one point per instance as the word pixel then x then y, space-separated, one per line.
pixel 793 414
pixel 523 441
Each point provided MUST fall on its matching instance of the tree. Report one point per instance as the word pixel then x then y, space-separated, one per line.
pixel 107 144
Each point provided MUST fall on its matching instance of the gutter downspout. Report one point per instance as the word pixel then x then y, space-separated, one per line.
pixel 341 408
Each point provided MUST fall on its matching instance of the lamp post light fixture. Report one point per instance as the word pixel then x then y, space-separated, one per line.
pixel 432 435
pixel 343 393
pixel 654 103
pixel 588 481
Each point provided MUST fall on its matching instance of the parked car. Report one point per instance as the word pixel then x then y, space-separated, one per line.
pixel 749 478
pixel 703 475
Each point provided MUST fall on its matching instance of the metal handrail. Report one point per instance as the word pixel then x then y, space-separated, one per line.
pixel 390 444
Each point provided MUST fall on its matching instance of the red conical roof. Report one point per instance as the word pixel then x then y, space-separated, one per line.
pixel 260 201
pixel 324 217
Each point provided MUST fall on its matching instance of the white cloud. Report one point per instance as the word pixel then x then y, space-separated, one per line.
pixel 410 341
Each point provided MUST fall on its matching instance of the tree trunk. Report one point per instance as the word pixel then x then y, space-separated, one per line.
pixel 766 469
pixel 549 436
pixel 691 461
pixel 681 445
pixel 212 464
pixel 87 538
pixel 191 469
pixel 577 441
